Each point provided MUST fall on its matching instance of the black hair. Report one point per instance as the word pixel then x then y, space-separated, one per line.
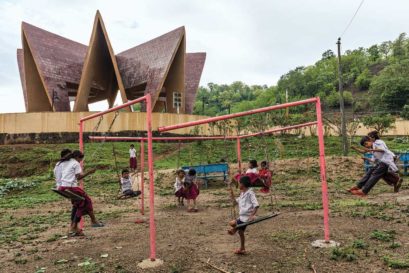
pixel 264 163
pixel 245 181
pixel 253 163
pixel 374 135
pixel 74 154
pixel 364 139
pixel 125 171
pixel 192 172
pixel 64 153
pixel 180 171
pixel 132 145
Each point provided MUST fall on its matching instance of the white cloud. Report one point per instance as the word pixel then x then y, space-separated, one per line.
pixel 252 41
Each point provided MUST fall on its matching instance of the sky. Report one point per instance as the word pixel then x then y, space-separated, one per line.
pixel 251 41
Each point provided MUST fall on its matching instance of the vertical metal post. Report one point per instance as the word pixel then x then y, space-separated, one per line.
pixel 152 227
pixel 324 187
pixel 81 144
pixel 238 148
pixel 142 151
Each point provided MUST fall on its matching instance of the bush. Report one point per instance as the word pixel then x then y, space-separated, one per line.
pixel 332 100
pixel 381 123
pixel 405 112
pixel 363 80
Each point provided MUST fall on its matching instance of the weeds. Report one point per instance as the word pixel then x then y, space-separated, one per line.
pixel 343 253
pixel 384 236
pixel 395 263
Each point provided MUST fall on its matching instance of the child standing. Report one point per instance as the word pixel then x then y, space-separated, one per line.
pixel 191 190
pixel 71 172
pixel 248 207
pixel 126 185
pixel 179 190
pixel 132 158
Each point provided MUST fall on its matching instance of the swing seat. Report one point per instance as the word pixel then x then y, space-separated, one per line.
pixel 258 219
pixel 69 195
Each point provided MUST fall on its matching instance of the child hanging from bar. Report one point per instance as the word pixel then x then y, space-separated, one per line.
pixel 132 158
pixel 385 166
pixel 179 189
pixel 71 172
pixel 126 185
pixel 265 176
pixel 248 207
pixel 191 191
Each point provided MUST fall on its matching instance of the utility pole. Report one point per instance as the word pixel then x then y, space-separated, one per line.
pixel 286 100
pixel 341 103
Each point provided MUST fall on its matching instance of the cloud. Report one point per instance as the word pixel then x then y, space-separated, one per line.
pixel 252 41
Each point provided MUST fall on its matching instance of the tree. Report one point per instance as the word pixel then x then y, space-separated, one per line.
pixel 381 123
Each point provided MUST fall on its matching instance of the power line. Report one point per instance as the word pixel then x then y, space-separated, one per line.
pixel 352 19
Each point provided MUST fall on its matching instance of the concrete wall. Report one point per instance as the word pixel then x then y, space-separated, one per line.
pixel 67 122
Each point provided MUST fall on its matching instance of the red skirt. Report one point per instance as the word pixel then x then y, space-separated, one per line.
pixel 180 193
pixel 253 177
pixel 83 207
pixel 132 163
pixel 192 192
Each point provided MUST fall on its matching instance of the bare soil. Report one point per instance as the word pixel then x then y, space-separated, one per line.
pixel 185 241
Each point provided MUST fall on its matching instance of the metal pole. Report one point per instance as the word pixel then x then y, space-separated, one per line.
pixel 152 228
pixel 142 151
pixel 324 187
pixel 341 103
pixel 238 153
pixel 81 144
pixel 235 115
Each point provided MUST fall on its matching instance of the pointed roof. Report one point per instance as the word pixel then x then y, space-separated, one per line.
pixel 99 65
pixel 194 64
pixel 59 60
pixel 149 63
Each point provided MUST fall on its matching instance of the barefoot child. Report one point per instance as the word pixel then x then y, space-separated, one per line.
pixel 179 190
pixel 71 172
pixel 248 207
pixel 191 190
pixel 384 162
pixel 132 158
pixel 126 185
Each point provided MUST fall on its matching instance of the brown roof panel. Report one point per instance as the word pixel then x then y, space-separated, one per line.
pixel 20 61
pixel 194 64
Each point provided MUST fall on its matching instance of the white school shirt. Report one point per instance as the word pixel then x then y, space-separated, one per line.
pixel 179 183
pixel 386 157
pixel 132 153
pixel 57 175
pixel 247 202
pixel 126 184
pixel 69 170
pixel 254 170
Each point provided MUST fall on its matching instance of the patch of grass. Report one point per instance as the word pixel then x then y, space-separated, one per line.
pixel 343 254
pixel 359 244
pixel 395 263
pixel 53 238
pixel 395 245
pixel 383 235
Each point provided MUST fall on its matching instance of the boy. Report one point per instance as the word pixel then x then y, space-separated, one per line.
pixel 126 185
pixel 384 162
pixel 248 207
pixel 132 158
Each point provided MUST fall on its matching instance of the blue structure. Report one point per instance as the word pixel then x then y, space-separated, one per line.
pixel 215 170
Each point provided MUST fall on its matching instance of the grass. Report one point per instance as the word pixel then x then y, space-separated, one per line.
pixel 383 235
pixel 344 253
pixel 396 263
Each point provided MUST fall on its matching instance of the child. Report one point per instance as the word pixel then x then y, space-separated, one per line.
pixel 71 172
pixel 248 207
pixel 191 190
pixel 251 173
pixel 57 168
pixel 179 190
pixel 265 175
pixel 384 161
pixel 132 158
pixel 126 185
pixel 252 167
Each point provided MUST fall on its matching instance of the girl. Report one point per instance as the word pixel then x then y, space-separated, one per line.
pixel 179 190
pixel 132 158
pixel 265 175
pixel 251 173
pixel 71 172
pixel 191 190
pixel 384 162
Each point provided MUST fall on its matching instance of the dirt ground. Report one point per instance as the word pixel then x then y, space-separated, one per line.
pixel 185 241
